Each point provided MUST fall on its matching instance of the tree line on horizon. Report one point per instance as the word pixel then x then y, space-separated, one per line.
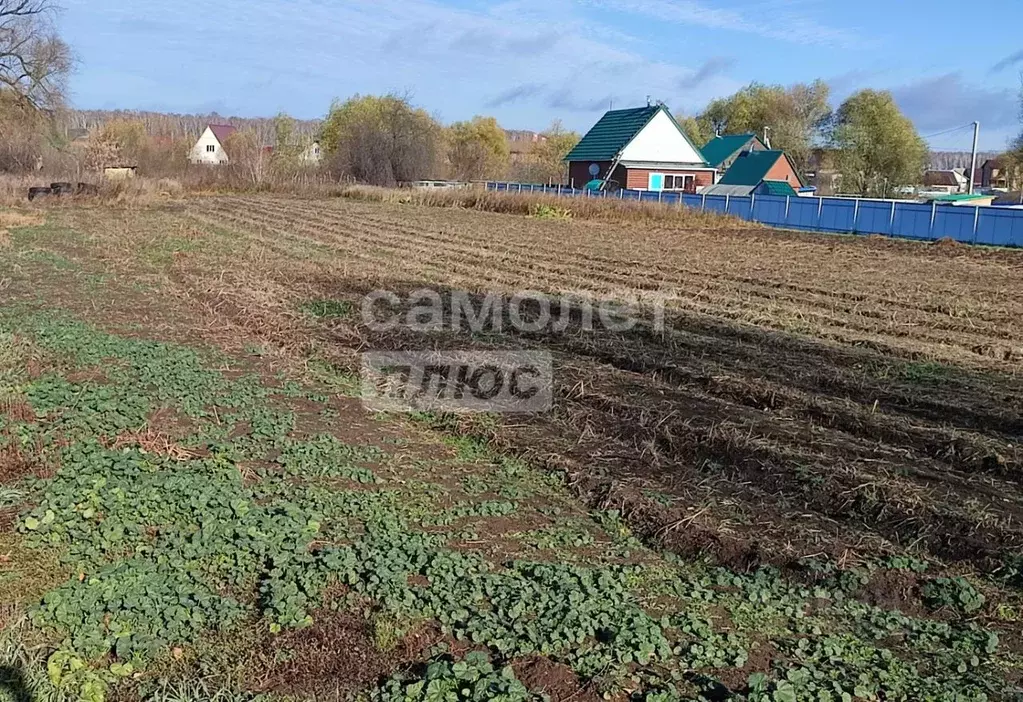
pixel 386 139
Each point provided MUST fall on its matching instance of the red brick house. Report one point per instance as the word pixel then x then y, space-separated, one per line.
pixel 758 172
pixel 639 149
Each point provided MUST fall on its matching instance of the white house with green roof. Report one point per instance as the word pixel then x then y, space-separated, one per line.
pixel 640 149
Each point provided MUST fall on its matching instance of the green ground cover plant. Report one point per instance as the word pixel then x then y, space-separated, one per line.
pixel 182 495
pixel 255 527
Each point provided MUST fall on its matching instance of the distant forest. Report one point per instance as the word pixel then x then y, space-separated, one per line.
pixel 175 126
pixel 947 160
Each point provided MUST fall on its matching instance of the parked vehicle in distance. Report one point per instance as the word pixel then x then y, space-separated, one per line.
pixel 449 184
pixel 598 184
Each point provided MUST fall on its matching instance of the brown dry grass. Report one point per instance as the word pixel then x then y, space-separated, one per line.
pixel 12 219
pixel 154 442
pixel 146 191
pixel 599 209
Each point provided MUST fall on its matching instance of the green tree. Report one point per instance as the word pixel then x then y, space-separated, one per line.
pixel 797 116
pixel 477 149
pixel 698 129
pixel 287 146
pixel 879 149
pixel 381 140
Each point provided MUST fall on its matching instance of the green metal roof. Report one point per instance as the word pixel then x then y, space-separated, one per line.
pixel 751 168
pixel 959 197
pixel 779 187
pixel 718 149
pixel 612 134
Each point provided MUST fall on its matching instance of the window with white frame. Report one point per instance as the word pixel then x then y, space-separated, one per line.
pixel 679 182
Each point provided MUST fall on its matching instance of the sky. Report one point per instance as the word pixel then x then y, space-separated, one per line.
pixel 529 62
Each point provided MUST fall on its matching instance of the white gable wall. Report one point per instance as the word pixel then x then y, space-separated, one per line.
pixel 661 142
pixel 313 154
pixel 201 154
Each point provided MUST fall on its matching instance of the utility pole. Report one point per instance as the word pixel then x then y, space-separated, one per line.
pixel 973 162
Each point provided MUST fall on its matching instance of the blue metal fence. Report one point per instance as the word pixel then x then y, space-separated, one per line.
pixel 972 225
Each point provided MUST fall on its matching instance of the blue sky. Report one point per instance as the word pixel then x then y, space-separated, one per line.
pixel 528 62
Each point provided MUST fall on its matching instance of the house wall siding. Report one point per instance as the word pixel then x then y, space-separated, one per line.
pixel 199 154
pixel 782 170
pixel 639 178
pixel 579 172
pixel 312 154
pixel 662 141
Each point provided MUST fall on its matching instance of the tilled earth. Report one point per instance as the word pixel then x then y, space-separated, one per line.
pixel 807 393
pixel 845 410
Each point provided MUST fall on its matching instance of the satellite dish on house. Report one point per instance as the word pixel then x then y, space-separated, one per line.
pixel 594 170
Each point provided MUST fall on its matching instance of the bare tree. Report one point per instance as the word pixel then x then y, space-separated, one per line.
pixel 34 60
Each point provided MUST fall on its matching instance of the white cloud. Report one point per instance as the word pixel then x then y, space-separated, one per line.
pixel 530 60
pixel 943 102
pixel 780 20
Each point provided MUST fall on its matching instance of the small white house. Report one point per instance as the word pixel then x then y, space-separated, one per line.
pixel 210 147
pixel 312 155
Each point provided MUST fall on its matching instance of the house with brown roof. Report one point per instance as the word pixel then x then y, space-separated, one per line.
pixel 995 175
pixel 949 182
pixel 209 149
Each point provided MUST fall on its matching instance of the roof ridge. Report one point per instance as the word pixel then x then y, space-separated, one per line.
pixel 613 132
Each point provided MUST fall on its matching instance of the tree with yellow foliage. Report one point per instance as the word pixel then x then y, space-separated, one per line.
pixel 477 149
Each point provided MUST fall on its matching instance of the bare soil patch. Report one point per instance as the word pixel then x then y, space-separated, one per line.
pixel 333 658
pixel 559 682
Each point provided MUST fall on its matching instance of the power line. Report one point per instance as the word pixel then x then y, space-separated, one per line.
pixel 949 131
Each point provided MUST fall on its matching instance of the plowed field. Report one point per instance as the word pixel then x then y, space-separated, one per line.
pixel 810 393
